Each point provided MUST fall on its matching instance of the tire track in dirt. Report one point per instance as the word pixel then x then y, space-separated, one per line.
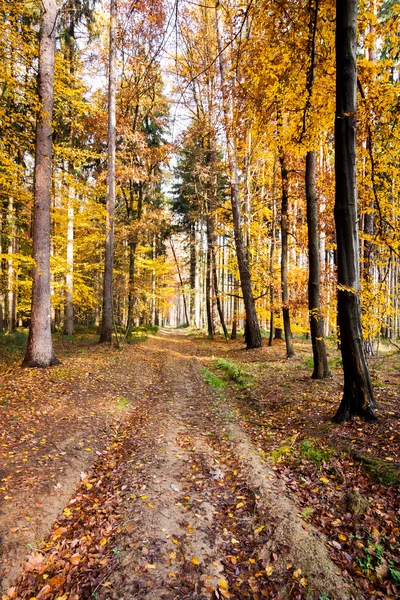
pixel 190 510
pixel 188 542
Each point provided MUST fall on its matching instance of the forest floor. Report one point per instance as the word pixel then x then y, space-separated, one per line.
pixel 187 468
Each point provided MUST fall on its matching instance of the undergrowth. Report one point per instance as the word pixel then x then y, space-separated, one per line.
pixel 212 379
pixel 234 371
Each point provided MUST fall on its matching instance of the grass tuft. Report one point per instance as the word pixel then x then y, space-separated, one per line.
pixel 234 372
pixel 212 380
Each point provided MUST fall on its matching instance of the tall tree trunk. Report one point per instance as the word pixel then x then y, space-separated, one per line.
pixel 271 261
pixel 216 290
pixel 131 295
pixel 107 316
pixel 253 333
pixel 210 324
pixel 12 304
pixel 235 316
pixel 358 397
pixel 39 352
pixel 284 255
pixel 180 282
pixel 69 279
pixel 192 274
pixel 321 369
pixel 1 277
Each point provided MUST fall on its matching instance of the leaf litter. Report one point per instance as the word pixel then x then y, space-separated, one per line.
pixel 172 506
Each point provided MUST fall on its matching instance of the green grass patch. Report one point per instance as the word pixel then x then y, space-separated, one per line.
pixel 380 471
pixel 140 334
pixel 307 512
pixel 234 371
pixel 13 345
pixel 122 403
pixel 278 454
pixel 309 362
pixel 212 380
pixel 315 453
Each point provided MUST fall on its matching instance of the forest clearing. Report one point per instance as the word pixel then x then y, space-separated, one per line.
pixel 199 299
pixel 206 471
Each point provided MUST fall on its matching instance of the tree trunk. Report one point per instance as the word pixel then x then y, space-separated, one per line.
pixel 12 304
pixel 321 369
pixel 271 261
pixel 210 324
pixel 107 315
pixel 217 296
pixel 253 335
pixel 39 352
pixel 180 282
pixel 284 256
pixel 69 279
pixel 235 313
pixel 192 274
pixel 1 277
pixel 358 397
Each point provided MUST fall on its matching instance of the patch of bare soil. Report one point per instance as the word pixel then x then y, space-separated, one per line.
pixel 178 503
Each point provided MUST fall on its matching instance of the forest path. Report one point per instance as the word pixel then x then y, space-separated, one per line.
pixel 179 504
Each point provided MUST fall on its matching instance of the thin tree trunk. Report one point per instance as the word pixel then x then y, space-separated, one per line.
pixel 321 369
pixel 69 279
pixel 1 279
pixel 217 295
pixel 192 274
pixel 11 272
pixel 235 313
pixel 358 397
pixel 180 281
pixel 271 261
pixel 39 352
pixel 107 315
pixel 284 255
pixel 253 333
pixel 210 324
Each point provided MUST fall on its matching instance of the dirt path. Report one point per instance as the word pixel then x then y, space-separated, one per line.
pixel 179 505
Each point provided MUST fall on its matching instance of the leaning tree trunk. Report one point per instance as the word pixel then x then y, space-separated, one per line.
pixel 321 369
pixel 253 333
pixel 39 352
pixel 107 315
pixel 284 256
pixel 358 397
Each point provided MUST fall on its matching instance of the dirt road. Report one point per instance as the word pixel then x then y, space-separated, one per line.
pixel 179 504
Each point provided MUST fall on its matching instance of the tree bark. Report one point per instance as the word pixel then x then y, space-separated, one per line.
pixel 69 279
pixel 39 352
pixel 321 369
pixel 284 255
pixel 358 397
pixel 180 282
pixel 107 315
pixel 271 261
pixel 210 324
pixel 253 333
pixel 192 274
pixel 12 298
pixel 1 277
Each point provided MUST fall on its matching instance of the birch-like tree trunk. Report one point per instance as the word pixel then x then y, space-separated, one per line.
pixel 358 397
pixel 39 352
pixel 107 320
